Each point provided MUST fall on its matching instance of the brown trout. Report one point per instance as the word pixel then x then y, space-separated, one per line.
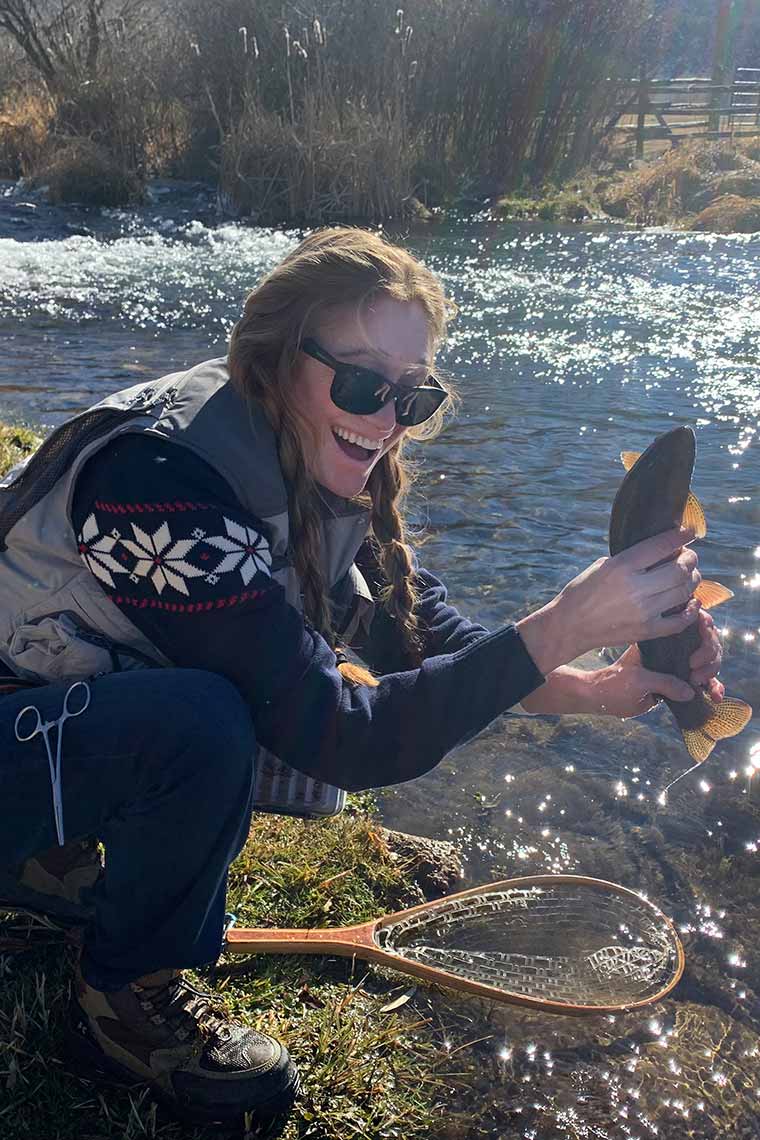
pixel 655 496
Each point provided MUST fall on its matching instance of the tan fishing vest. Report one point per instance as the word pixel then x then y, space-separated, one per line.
pixel 56 623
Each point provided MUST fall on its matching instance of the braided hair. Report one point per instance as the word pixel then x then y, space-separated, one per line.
pixel 331 268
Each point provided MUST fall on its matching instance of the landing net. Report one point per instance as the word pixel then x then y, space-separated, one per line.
pixel 567 942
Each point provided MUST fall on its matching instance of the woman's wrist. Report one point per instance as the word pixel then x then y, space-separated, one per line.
pixel 548 638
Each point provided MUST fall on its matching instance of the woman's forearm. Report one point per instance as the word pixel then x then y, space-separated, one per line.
pixel 566 690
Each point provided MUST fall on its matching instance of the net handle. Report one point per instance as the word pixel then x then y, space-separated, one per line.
pixel 359 941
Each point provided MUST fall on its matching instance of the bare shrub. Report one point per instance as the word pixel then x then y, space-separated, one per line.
pixel 81 171
pixel 98 60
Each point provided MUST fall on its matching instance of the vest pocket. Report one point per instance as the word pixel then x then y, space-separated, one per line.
pixel 56 648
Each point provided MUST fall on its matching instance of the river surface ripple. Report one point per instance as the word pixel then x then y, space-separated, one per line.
pixel 571 345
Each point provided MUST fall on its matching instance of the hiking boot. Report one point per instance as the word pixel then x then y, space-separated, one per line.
pixel 161 1031
pixel 55 883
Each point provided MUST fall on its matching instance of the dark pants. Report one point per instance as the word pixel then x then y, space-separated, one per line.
pixel 160 767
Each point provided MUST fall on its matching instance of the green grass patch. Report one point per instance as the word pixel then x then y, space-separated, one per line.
pixel 15 444
pixel 550 204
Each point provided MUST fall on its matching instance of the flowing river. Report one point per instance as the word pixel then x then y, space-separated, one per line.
pixel 571 345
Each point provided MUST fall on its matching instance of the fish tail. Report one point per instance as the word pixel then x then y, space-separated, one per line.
pixel 728 719
pixel 712 594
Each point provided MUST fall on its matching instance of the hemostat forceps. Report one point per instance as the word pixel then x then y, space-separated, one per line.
pixel 45 727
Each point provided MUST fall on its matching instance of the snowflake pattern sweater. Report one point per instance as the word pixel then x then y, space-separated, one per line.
pixel 170 545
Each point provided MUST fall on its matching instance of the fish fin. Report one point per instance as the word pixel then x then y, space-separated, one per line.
pixel 698 744
pixel 694 516
pixel 728 718
pixel 711 594
pixel 628 458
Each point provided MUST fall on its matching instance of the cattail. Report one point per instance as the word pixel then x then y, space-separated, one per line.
pixel 255 48
pixel 287 42
pixel 319 34
pixel 399 21
pixel 243 32
pixel 413 69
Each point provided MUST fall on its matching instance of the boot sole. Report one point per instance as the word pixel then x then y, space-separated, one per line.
pixel 86 1060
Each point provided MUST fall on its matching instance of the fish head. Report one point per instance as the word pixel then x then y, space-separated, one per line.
pixel 653 495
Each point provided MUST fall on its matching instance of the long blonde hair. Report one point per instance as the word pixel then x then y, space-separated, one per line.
pixel 330 268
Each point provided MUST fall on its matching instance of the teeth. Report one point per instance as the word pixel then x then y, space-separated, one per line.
pixel 352 437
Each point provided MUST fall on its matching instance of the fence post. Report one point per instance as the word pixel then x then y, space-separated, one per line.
pixel 642 115
pixel 722 64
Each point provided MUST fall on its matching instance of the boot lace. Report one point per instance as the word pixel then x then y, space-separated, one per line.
pixel 185 1010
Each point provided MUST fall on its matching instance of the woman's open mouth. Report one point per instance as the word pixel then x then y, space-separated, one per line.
pixel 355 446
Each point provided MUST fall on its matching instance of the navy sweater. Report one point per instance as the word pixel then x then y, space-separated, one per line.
pixel 171 546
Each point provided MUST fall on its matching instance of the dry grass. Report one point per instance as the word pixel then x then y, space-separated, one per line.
pixel 729 214
pixel 656 192
pixel 570 204
pixel 25 121
pixel 331 167
pixel 168 140
pixel 682 184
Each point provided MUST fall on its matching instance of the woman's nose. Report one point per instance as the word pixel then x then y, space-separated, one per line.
pixel 384 419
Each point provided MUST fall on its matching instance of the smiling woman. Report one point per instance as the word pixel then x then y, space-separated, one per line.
pixel 238 528
pixel 393 333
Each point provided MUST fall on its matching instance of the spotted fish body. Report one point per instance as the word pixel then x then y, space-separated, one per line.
pixel 655 496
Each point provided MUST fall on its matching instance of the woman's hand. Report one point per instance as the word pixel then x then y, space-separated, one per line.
pixel 618 601
pixel 706 660
pixel 626 688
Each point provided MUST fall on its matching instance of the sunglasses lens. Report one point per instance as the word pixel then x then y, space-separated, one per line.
pixel 418 406
pixel 358 390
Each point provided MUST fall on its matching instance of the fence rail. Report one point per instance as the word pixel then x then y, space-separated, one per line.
pixel 688 107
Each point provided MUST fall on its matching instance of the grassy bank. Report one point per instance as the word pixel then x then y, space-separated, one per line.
pixel 713 187
pixel 15 444
pixel 349 112
pixel 366 1072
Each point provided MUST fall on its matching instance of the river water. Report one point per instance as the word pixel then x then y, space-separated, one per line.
pixel 571 345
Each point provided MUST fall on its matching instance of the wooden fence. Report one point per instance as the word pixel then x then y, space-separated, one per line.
pixel 692 107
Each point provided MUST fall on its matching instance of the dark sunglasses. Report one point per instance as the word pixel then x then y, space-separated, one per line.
pixel 362 391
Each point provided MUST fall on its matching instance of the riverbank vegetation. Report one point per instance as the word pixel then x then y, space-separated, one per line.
pixel 711 186
pixel 350 112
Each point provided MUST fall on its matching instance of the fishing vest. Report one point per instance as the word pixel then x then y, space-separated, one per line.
pixel 56 622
